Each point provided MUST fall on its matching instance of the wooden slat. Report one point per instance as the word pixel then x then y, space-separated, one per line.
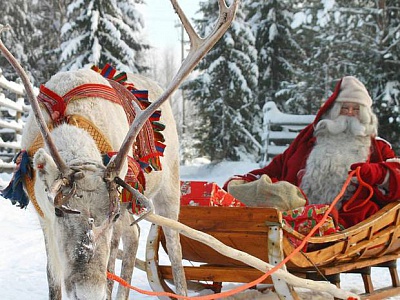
pixel 344 267
pixel 381 239
pixel 381 293
pixel 242 219
pixel 217 274
pixel 320 257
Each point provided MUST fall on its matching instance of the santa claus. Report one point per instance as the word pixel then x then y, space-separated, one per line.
pixel 342 137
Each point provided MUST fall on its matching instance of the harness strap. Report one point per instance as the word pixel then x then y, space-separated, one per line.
pixel 56 104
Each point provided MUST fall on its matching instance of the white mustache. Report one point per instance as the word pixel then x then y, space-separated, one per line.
pixel 341 124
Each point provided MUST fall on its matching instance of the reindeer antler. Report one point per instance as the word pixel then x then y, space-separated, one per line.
pixel 199 47
pixel 62 166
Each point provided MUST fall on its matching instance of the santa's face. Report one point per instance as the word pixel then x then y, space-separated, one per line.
pixel 350 109
pixel 348 116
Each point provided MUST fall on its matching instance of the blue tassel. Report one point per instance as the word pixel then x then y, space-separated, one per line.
pixel 106 158
pixel 15 191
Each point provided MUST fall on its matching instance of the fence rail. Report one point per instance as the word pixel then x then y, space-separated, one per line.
pixel 13 111
pixel 280 129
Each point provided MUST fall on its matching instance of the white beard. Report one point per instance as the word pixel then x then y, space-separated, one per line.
pixel 329 162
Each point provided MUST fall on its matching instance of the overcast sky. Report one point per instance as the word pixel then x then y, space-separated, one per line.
pixel 161 21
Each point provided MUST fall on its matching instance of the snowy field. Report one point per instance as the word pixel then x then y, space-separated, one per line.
pixel 23 259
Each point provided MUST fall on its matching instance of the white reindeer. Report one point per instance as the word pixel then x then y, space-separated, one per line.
pixel 82 220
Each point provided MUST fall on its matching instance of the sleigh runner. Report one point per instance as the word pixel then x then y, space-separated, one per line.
pixel 262 233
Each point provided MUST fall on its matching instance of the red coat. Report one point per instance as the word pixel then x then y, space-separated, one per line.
pixel 287 165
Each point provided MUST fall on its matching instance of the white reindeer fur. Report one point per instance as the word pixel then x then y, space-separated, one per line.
pixel 74 144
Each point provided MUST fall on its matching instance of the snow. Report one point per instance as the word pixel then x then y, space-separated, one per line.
pixel 11 86
pixel 71 46
pixel 23 258
pixel 273 115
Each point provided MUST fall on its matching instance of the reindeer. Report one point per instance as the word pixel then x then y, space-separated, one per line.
pixel 77 195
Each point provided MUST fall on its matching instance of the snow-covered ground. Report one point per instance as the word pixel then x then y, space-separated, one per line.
pixel 23 259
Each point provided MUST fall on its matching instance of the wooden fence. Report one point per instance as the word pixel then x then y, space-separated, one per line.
pixel 13 112
pixel 280 129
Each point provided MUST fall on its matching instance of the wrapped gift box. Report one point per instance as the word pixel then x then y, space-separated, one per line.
pixel 203 193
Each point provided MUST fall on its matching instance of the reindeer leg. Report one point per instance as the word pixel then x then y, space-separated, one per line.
pixel 167 206
pixel 175 255
pixel 117 231
pixel 130 241
pixel 54 285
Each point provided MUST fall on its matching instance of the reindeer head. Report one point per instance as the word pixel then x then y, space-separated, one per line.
pixel 83 209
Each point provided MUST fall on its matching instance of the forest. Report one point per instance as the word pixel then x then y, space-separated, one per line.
pixel 291 52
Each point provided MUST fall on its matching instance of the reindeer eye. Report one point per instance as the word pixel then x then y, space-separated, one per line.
pixel 116 217
pixel 59 213
pixel 78 196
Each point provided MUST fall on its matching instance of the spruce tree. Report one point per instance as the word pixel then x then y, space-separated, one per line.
pixel 315 29
pixel 278 52
pixel 50 15
pixel 34 37
pixel 18 40
pixel 103 31
pixel 224 91
pixel 379 53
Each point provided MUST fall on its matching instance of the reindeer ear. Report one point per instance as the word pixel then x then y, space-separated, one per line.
pixel 45 166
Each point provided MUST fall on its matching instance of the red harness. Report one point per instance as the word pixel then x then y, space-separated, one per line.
pixel 56 104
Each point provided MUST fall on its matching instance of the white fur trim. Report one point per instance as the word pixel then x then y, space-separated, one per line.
pixel 395 159
pixel 383 140
pixel 352 90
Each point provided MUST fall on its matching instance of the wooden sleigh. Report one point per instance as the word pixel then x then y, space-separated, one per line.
pixel 260 232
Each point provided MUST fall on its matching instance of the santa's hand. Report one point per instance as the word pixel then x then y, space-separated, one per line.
pixel 371 173
pixel 247 177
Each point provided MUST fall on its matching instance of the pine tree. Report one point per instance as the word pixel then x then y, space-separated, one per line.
pixel 16 13
pixel 379 53
pixel 224 91
pixel 314 29
pixel 278 52
pixel 34 36
pixel 50 15
pixel 103 31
